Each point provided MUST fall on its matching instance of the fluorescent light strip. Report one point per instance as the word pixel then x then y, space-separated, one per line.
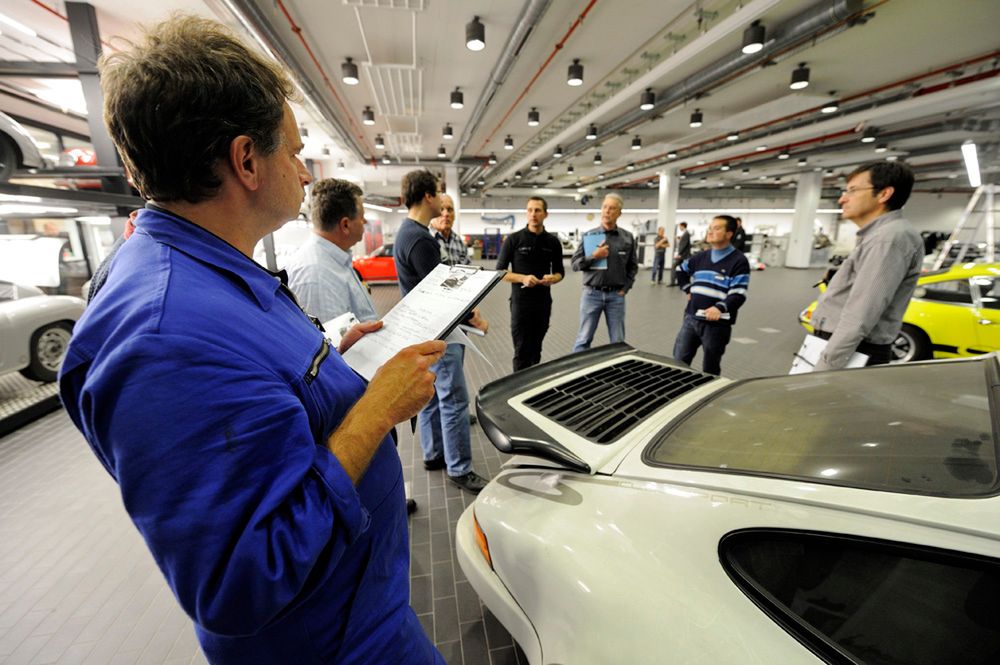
pixel 971 163
pixel 372 206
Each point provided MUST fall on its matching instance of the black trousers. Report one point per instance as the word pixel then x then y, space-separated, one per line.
pixel 529 321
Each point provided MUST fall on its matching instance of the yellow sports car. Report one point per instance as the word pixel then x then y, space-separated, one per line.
pixel 953 313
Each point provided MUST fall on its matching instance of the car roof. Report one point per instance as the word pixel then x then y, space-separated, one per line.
pixel 961 271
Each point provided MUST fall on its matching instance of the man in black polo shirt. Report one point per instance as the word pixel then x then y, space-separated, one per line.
pixel 535 258
pixel 605 283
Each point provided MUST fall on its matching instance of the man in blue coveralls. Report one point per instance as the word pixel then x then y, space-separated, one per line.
pixel 257 465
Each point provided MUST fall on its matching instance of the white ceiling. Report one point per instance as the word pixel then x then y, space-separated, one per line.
pixel 412 58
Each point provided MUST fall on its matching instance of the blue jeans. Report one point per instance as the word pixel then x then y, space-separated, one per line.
pixel 659 260
pixel 712 338
pixel 444 422
pixel 592 303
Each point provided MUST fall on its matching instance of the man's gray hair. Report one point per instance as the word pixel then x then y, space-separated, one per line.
pixel 616 197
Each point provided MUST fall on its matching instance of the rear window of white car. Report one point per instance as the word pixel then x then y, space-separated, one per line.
pixel 924 429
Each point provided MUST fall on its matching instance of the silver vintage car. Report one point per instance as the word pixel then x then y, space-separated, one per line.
pixel 35 330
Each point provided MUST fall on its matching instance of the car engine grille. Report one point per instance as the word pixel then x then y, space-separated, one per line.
pixel 606 403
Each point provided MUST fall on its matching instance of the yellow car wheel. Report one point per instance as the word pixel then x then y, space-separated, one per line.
pixel 911 344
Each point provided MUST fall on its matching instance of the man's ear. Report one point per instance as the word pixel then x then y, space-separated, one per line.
pixel 344 224
pixel 244 162
pixel 886 194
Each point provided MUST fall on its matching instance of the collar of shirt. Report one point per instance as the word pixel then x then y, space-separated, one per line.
pixel 880 221
pixel 719 254
pixel 334 252
pixel 187 237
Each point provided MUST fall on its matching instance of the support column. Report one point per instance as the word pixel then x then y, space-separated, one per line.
pixel 806 204
pixel 451 188
pixel 666 213
pixel 87 49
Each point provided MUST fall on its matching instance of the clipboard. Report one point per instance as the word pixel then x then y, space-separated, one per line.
pixel 804 360
pixel 591 241
pixel 431 310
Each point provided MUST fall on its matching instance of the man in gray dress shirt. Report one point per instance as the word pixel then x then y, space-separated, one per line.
pixel 320 273
pixel 862 308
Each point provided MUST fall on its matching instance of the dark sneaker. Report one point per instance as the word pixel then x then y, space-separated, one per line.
pixel 411 506
pixel 470 482
pixel 434 464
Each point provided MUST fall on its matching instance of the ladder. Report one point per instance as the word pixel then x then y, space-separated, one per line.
pixel 985 192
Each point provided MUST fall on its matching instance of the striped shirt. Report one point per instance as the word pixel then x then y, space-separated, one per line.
pixel 322 277
pixel 715 278
pixel 866 299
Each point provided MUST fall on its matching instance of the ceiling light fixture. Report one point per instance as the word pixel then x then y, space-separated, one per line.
pixel 971 158
pixel 551 178
pixel 597 159
pixel 671 155
pixel 784 154
pixel 340 165
pixel 441 152
pixel 575 74
pixel 326 150
pixel 868 136
pixel 481 182
pixel 828 172
pixel 696 118
pixel 517 175
pixel 682 176
pixel 457 98
pixel 386 160
pixel 492 159
pixel 746 171
pixel 881 147
pixel 447 133
pixel 591 132
pixel 349 72
pixel 303 131
pixel 534 165
pixel 724 167
pixel 630 167
pixel 761 148
pixel 753 38
pixel 558 152
pixel 831 106
pixel 475 35
pixel 637 143
pixel 800 77
pixel 533 117
pixel 508 143
pixel 733 136
pixel 648 100
pixel 570 170
pixel 379 142
pixel 802 161
pixel 368 116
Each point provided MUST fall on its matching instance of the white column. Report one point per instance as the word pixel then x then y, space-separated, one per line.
pixel 451 189
pixel 806 204
pixel 666 214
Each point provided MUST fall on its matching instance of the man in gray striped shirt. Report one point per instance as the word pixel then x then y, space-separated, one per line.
pixel 862 308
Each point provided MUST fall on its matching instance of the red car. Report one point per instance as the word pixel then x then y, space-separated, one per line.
pixel 377 266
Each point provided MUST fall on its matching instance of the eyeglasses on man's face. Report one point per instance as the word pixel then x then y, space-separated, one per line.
pixel 853 190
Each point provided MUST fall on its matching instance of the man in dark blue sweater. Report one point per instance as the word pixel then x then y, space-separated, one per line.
pixel 716 282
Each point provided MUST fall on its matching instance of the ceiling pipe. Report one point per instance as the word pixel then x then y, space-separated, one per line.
pixel 256 19
pixel 818 19
pixel 531 14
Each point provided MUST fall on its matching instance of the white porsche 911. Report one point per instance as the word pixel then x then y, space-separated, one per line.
pixel 35 330
pixel 655 514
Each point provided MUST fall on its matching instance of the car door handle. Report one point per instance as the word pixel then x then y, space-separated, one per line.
pixel 985 322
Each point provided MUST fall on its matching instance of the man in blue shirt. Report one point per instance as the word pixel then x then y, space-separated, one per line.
pixel 716 282
pixel 445 437
pixel 256 464
pixel 321 273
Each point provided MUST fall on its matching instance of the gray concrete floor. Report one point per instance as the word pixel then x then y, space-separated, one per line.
pixel 77 584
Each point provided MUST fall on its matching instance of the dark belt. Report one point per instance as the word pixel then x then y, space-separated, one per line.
pixel 606 289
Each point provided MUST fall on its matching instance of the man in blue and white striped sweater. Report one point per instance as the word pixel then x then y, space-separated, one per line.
pixel 716 282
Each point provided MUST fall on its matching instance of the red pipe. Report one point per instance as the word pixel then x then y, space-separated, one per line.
pixel 555 50
pixel 66 18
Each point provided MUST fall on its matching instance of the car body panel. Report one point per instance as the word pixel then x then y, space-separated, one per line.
pixel 621 563
pixel 954 329
pixel 21 317
pixel 378 266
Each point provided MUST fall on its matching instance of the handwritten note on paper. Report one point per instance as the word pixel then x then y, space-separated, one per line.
pixel 427 312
